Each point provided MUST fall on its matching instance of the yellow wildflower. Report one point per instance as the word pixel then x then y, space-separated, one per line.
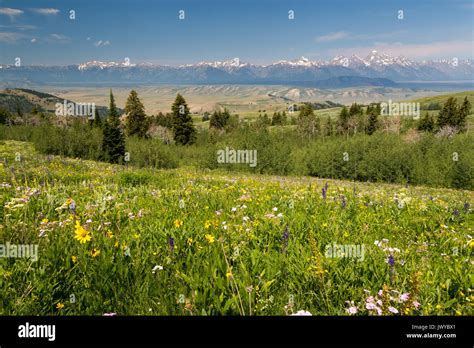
pixel 74 258
pixel 95 252
pixel 178 223
pixel 207 224
pixel 82 235
pixel 210 238
pixel 59 306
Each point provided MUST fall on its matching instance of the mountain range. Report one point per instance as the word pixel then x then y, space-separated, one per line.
pixel 377 69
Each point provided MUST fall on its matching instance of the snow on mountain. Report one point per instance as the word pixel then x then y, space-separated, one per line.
pixel 103 65
pixel 300 62
pixel 228 64
pixel 234 71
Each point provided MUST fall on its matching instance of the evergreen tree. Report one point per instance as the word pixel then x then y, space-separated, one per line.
pixel 448 114
pixel 355 109
pixel 426 123
pixel 136 122
pixel 463 113
pixel 113 143
pixel 96 122
pixel 344 119
pixel 372 122
pixel 219 120
pixel 183 127
pixel 308 123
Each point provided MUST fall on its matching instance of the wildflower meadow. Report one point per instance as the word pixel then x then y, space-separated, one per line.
pixel 118 240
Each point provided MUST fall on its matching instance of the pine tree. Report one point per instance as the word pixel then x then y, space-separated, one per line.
pixel 344 119
pixel 219 120
pixel 308 124
pixel 355 109
pixel 183 127
pixel 463 113
pixel 136 122
pixel 372 122
pixel 448 114
pixel 426 123
pixel 97 123
pixel 113 143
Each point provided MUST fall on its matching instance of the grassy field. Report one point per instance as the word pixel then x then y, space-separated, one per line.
pixel 441 99
pixel 133 241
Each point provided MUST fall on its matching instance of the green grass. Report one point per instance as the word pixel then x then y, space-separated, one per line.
pixel 441 99
pixel 229 254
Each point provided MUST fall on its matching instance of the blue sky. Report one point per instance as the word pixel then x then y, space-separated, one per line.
pixel 257 31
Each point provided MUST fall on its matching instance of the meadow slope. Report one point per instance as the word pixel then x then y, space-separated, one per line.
pixel 116 239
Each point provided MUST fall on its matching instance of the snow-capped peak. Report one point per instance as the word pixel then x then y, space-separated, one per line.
pixel 303 61
pixel 229 64
pixel 103 65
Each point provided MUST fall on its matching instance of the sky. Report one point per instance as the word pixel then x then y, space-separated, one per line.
pixel 257 31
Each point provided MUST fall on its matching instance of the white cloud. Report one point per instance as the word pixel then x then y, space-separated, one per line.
pixel 46 11
pixel 33 40
pixel 102 43
pixel 59 38
pixel 10 12
pixel 8 37
pixel 339 35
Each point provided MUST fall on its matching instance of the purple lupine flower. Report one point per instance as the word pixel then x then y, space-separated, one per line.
pixel 72 207
pixel 344 203
pixel 324 194
pixel 391 261
pixel 456 212
pixel 285 238
pixel 171 243
pixel 467 206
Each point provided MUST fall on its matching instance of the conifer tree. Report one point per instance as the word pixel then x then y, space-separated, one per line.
pixel 344 119
pixel 136 122
pixel 372 122
pixel 183 127
pixel 113 143
pixel 426 123
pixel 463 113
pixel 448 114
pixel 308 124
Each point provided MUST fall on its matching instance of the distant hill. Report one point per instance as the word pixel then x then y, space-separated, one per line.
pixel 436 102
pixel 24 100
